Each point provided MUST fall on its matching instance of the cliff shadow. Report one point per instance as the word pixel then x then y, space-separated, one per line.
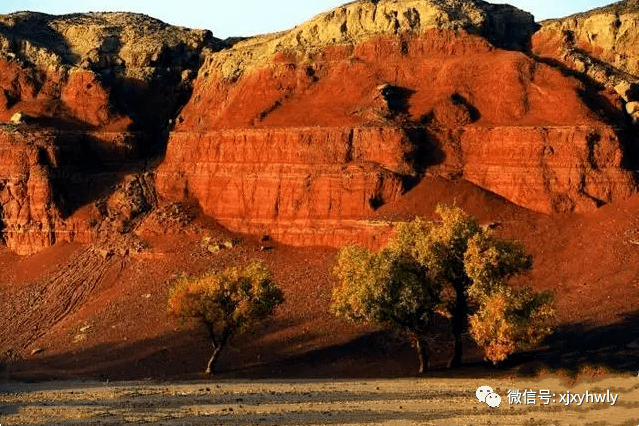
pixel 511 33
pixel 89 166
pixel 435 137
pixel 397 99
pixel 426 151
pixel 152 103
pixel 424 148
pixel 377 354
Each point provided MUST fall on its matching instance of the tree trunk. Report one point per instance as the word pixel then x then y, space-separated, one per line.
pixel 458 322
pixel 210 367
pixel 456 360
pixel 217 348
pixel 422 352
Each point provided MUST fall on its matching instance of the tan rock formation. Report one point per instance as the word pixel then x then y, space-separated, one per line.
pixel 352 23
pixel 125 70
pixel 602 43
pixel 135 42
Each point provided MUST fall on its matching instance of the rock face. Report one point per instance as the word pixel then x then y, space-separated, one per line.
pixel 95 68
pixel 300 135
pixel 299 185
pixel 503 25
pixel 602 44
pixel 48 187
pixel 87 99
pixel 548 169
pixel 441 91
pixel 600 47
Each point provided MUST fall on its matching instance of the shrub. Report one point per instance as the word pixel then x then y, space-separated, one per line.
pixel 512 320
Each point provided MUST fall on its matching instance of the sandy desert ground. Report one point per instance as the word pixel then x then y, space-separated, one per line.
pixel 426 401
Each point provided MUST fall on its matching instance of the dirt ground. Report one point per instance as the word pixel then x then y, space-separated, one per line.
pixel 427 401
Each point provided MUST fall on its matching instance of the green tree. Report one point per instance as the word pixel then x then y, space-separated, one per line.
pixel 458 257
pixel 387 288
pixel 226 303
pixel 441 248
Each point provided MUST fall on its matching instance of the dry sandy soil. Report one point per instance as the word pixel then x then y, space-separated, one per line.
pixel 428 401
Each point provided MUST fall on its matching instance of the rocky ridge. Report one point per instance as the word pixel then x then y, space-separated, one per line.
pixel 301 135
pixel 503 25
pixel 607 34
pixel 87 99
pixel 600 44
pixel 124 55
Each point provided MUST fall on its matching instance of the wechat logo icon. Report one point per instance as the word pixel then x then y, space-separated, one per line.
pixel 486 394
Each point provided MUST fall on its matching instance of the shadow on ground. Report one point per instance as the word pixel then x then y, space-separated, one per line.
pixel 573 346
pixel 182 355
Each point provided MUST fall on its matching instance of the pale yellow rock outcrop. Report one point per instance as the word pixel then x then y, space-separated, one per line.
pixel 351 23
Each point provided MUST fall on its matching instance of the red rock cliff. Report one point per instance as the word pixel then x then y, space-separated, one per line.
pixel 86 100
pixel 456 105
pixel 300 134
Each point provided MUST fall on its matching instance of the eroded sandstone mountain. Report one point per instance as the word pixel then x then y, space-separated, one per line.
pixel 347 111
pixel 302 134
pixel 86 99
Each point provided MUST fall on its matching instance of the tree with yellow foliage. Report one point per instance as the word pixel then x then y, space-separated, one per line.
pixel 452 267
pixel 226 303
pixel 388 288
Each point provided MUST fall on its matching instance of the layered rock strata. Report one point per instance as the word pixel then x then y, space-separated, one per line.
pixel 548 169
pixel 303 134
pixel 89 98
pixel 462 107
pixel 299 185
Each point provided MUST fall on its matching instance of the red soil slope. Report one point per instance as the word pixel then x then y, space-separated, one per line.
pixel 121 329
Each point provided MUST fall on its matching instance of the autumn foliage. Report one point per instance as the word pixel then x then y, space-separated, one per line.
pixel 512 320
pixel 388 288
pixel 230 302
pixel 455 268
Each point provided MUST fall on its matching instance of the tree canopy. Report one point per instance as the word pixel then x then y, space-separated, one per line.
pixel 453 267
pixel 387 288
pixel 233 301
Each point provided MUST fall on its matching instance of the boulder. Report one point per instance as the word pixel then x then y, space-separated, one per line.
pixel 627 90
pixel 17 118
